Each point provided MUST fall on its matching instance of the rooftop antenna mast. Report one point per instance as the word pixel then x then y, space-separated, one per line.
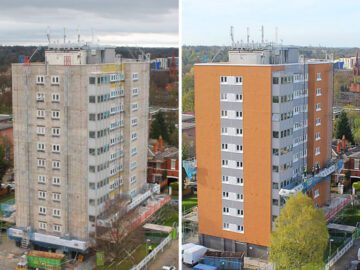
pixel 48 34
pixel 64 35
pixel 247 36
pixel 232 36
pixel 78 34
pixel 262 34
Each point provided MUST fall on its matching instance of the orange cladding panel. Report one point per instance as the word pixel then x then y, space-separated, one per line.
pixel 256 151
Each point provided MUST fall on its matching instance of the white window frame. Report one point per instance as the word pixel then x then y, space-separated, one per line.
pixel 40 79
pixel 317 151
pixel 55 148
pixel 55 80
pixel 57 228
pixel 55 131
pixel 40 113
pixel 135 76
pixel 318 76
pixel 56 181
pixel 55 97
pixel 55 114
pixel 40 96
pixel 318 91
pixel 56 197
pixel 41 163
pixel 42 210
pixel 41 194
pixel 56 212
pixel 56 164
pixel 42 225
pixel 41 179
pixel 135 92
pixel 40 147
pixel 318 107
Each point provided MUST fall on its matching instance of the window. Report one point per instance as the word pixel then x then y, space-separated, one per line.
pixel 173 164
pixel 56 197
pixel 318 76
pixel 56 148
pixel 318 107
pixel 40 113
pixel 356 164
pixel 55 115
pixel 40 96
pixel 135 76
pixel 238 80
pixel 317 151
pixel 134 121
pixel 240 212
pixel 132 179
pixel 275 80
pixel 40 79
pixel 240 180
pixel 223 96
pixel 134 106
pixel 56 212
pixel 318 121
pixel 40 130
pixel 92 116
pixel 318 91
pixel 92 80
pixel 240 228
pixel 225 162
pixel 55 131
pixel 239 131
pixel 42 194
pixel 275 134
pixel 275 151
pixel 92 99
pixel 239 164
pixel 239 148
pixel 224 131
pixel 55 97
pixel 226 210
pixel 239 97
pixel 55 80
pixel 133 136
pixel 133 151
pixel 240 196
pixel 275 99
pixel 41 179
pixel 223 79
pixel 225 194
pixel 56 181
pixel 57 228
pixel 239 114
pixel 41 162
pixel 40 147
pixel 56 164
pixel 317 136
pixel 135 92
pixel 42 225
pixel 225 178
pixel 226 225
pixel 42 210
pixel 223 113
pixel 316 193
pixel 224 146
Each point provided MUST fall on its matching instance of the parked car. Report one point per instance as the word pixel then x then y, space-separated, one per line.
pixel 168 267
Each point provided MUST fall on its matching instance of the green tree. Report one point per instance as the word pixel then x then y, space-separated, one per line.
pixel 4 163
pixel 356 133
pixel 188 100
pixel 159 127
pixel 343 128
pixel 300 237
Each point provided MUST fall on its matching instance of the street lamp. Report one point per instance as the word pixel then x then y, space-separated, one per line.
pixel 146 246
pixel 330 241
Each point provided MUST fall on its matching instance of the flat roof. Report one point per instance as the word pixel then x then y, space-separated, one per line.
pixel 44 254
pixel 312 62
pixel 156 227
pixel 341 227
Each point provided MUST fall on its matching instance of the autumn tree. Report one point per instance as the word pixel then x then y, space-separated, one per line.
pixel 300 237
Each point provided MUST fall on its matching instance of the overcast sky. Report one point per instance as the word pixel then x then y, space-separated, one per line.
pixel 114 22
pixel 300 22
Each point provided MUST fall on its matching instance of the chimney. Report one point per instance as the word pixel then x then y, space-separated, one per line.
pixel 156 147
pixel 161 143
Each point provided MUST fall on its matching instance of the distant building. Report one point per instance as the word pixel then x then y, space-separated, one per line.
pixel 263 133
pixel 349 62
pixel 163 163
pixel 188 125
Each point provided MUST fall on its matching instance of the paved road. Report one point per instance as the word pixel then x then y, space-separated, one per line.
pixel 349 256
pixel 9 253
pixel 170 256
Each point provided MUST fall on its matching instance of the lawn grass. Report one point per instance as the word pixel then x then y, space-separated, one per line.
pixel 350 215
pixel 189 202
pixel 139 254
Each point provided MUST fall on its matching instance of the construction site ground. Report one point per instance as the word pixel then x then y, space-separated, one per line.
pixel 168 257
pixel 9 253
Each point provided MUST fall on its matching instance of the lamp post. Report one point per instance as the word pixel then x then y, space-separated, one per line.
pixel 330 241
